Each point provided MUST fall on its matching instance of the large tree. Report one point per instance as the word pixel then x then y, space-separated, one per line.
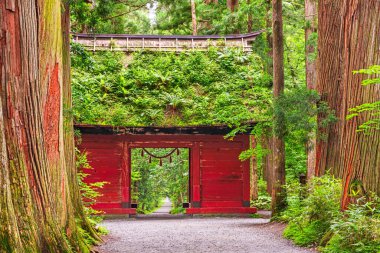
pixel 278 192
pixel 37 172
pixel 311 18
pixel 194 17
pixel 348 40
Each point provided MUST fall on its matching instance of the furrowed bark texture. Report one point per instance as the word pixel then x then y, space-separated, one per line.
pixel 254 191
pixel 349 39
pixel 194 17
pixel 68 127
pixel 278 192
pixel 311 18
pixel 35 205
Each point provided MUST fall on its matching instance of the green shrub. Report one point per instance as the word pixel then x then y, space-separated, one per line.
pixel 315 218
pixel 263 202
pixel 312 209
pixel 357 229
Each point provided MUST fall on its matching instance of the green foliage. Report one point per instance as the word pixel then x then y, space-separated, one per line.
pixel 89 192
pixel 152 182
pixel 296 111
pixel 263 202
pixel 311 210
pixel 372 109
pixel 109 16
pixel 5 243
pixel 315 218
pixel 192 88
pixel 358 228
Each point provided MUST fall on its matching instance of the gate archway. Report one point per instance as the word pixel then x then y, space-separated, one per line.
pixel 219 181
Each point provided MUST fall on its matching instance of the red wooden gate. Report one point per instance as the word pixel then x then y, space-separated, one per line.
pixel 219 181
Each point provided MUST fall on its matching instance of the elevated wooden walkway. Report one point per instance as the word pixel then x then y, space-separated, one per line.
pixel 172 43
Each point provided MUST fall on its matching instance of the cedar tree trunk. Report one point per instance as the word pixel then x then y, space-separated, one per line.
pixel 311 72
pixel 349 39
pixel 278 192
pixel 36 176
pixel 194 17
pixel 250 18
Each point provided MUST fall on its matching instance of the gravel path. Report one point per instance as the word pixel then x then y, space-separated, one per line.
pixel 213 235
pixel 165 208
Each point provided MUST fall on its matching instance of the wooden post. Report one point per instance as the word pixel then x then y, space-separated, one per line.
pixel 143 43
pixel 126 177
pixel 94 46
pixel 192 44
pixel 127 43
pixel 246 175
pixel 195 173
pixel 176 44
pixel 159 44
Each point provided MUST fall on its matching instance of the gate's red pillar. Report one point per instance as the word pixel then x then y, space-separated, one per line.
pixel 126 177
pixel 195 174
pixel 246 176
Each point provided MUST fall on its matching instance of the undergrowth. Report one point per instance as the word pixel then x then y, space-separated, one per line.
pixel 315 219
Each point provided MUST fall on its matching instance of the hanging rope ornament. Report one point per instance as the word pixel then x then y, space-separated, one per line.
pixel 151 155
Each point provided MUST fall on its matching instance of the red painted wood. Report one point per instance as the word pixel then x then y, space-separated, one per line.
pixel 222 210
pixel 222 190
pixel 219 182
pixel 213 163
pixel 246 174
pixel 126 175
pixel 195 173
pixel 220 203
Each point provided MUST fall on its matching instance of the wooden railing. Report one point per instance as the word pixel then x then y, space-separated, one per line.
pixel 176 43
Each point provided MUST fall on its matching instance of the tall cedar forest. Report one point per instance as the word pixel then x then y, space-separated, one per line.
pixel 311 86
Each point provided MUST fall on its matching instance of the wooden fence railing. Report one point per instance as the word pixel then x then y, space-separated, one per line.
pixel 176 43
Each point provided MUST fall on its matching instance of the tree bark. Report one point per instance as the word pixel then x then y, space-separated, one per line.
pixel 232 5
pixel 194 17
pixel 311 18
pixel 348 39
pixel 278 192
pixel 68 128
pixel 250 18
pixel 268 22
pixel 254 176
pixel 35 199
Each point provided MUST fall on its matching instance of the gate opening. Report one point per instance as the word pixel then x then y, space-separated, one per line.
pixel 160 180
